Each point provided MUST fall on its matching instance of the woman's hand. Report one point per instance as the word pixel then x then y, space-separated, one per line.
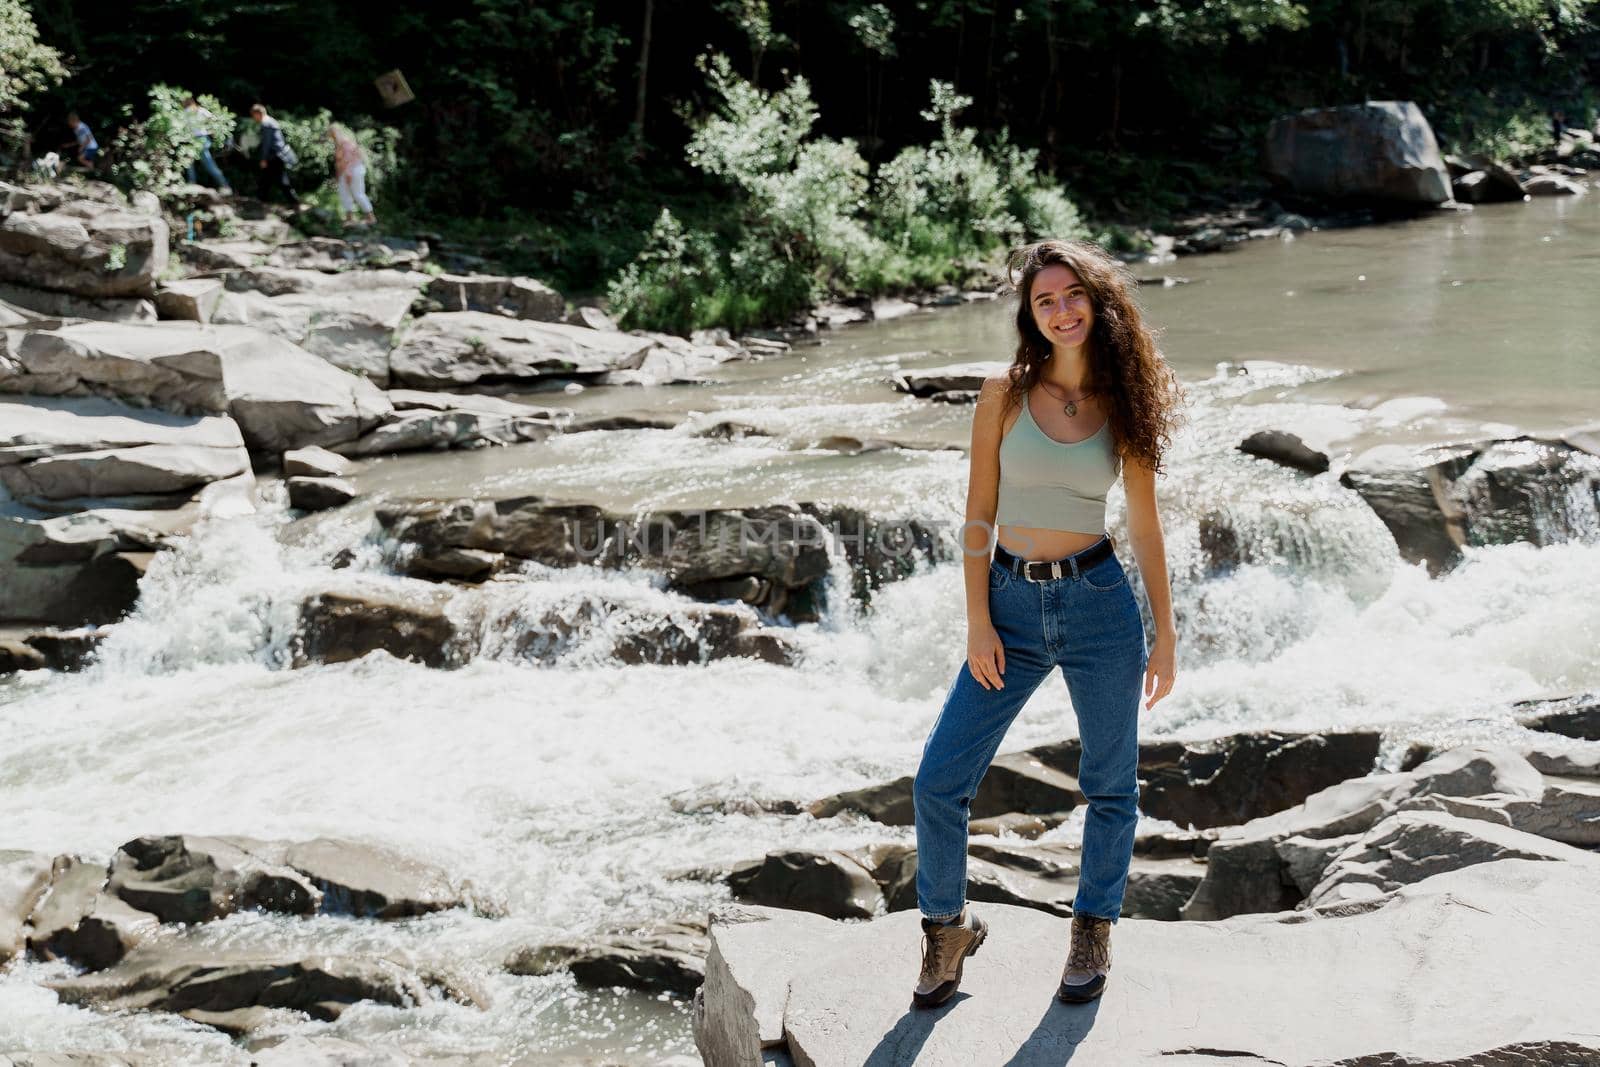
pixel 1163 668
pixel 986 656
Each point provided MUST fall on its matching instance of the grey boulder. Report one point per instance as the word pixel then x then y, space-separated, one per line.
pixel 1379 150
pixel 86 249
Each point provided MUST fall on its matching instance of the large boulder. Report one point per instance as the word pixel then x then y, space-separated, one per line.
pixel 782 984
pixel 1498 492
pixel 86 249
pixel 834 884
pixel 350 622
pixel 200 986
pixel 1412 845
pixel 1015 782
pixel 517 298
pixel 1380 150
pixel 93 486
pixel 955 381
pixel 281 396
pixel 462 349
pixel 351 328
pixel 665 958
pixel 770 557
pixel 1256 867
pixel 192 879
pixel 80 921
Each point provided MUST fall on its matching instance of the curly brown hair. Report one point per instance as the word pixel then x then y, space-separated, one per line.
pixel 1125 366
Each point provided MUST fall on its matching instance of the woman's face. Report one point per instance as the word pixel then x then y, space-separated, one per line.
pixel 1061 307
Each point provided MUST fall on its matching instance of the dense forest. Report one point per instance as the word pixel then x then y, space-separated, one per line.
pixel 561 129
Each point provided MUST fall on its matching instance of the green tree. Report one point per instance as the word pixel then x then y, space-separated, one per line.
pixel 26 65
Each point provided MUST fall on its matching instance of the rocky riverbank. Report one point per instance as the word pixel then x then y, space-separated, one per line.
pixel 1401 896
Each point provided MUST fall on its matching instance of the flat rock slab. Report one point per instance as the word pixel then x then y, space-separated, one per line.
pixel 280 395
pixel 458 349
pixel 1418 978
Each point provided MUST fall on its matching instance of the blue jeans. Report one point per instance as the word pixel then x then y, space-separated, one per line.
pixel 209 163
pixel 1087 623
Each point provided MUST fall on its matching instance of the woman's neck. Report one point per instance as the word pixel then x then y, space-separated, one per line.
pixel 1067 370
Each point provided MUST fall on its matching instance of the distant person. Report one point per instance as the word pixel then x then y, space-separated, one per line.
pixel 87 148
pixel 1558 125
pixel 274 158
pixel 200 127
pixel 350 170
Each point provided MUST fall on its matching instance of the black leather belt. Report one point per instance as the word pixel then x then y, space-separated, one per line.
pixel 1045 570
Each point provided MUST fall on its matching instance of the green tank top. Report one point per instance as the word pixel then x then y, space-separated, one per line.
pixel 1049 485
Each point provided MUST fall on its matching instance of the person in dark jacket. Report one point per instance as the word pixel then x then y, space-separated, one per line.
pixel 274 158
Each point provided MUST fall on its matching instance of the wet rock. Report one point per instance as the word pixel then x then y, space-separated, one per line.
pixel 954 378
pixel 692 634
pixel 371 882
pixel 782 983
pixel 586 423
pixel 84 248
pixel 1574 716
pixel 892 308
pixel 1552 185
pixel 1246 873
pixel 1485 186
pixel 1379 150
pixel 1285 449
pixel 185 878
pixel 314 462
pixel 24 880
pixel 193 299
pixel 517 298
pixel 457 564
pixel 694 550
pixel 1409 846
pixel 300 1051
pixel 1013 824
pixel 828 883
pixel 667 958
pixel 348 623
pixel 280 396
pixel 461 349
pixel 81 920
pixel 880 550
pixel 1016 782
pixel 1500 492
pixel 319 494
pixel 673 361
pixel 834 316
pixel 1567 761
pixel 16 655
pixel 1241 777
pixel 1158 888
pixel 161 978
pixel 421 430
pixel 1235 778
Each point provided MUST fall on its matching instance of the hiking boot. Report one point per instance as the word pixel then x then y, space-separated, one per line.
pixel 1088 960
pixel 945 947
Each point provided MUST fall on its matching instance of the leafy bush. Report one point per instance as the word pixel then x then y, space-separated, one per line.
pixel 671 282
pixel 154 152
pixel 26 66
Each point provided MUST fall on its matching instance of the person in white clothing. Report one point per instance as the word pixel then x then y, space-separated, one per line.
pixel 350 170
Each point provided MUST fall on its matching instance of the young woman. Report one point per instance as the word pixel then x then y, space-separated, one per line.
pixel 1087 399
pixel 350 170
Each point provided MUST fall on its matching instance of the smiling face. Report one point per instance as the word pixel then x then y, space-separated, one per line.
pixel 1061 307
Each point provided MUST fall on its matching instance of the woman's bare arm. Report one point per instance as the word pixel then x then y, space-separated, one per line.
pixel 985 655
pixel 1150 551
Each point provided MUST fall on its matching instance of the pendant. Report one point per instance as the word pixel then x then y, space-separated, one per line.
pixel 1071 408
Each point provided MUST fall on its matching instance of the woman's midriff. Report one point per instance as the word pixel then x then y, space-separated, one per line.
pixel 1031 543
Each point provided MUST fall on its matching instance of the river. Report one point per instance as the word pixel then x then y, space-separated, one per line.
pixel 551 788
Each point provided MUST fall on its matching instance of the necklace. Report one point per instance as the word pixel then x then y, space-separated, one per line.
pixel 1069 406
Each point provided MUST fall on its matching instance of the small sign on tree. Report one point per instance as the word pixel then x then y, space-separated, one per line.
pixel 393 88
